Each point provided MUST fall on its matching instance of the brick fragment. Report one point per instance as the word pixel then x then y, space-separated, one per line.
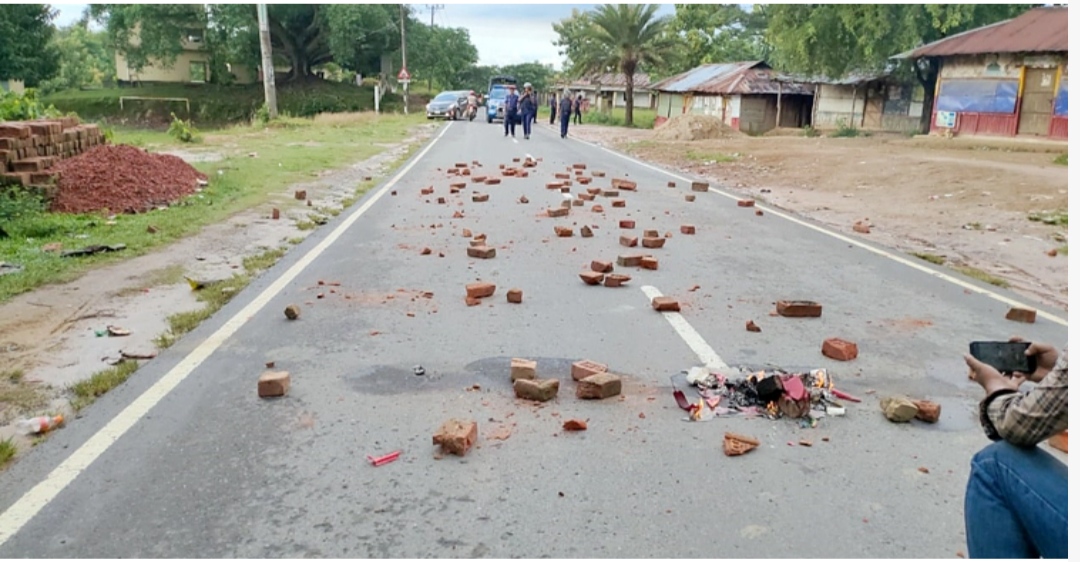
pixel 586 196
pixel 626 185
pixel 480 197
pixel 699 186
pixel 599 386
pixel 585 368
pixel 861 227
pixel 492 181
pixel 650 233
pixel 628 241
pixel 457 185
pixel 441 200
pixel 736 444
pixel 562 176
pixel 759 213
pixel 480 290
pixel 840 350
pixel 688 229
pixel 461 165
pixel 564 231
pixel 578 166
pixel 649 262
pixel 586 232
pixel 459 215
pixel 602 266
pixel 273 383
pixel 929 412
pixel 275 213
pixel 565 203
pixel 591 277
pixel 425 252
pixel 514 296
pixel 481 252
pixel 427 190
pixel 752 327
pixel 594 191
pixel 1021 314
pixel 579 203
pixel 671 184
pixel 537 391
pixel 626 224
pixel 746 202
pixel 665 304
pixel 575 425
pixel 629 260
pixel 558 212
pixel 653 243
pixel 471 301
pixel 455 436
pixel 564 189
pixel 798 309
pixel 522 369
pixel 616 280
pixel 466 233
pixel 523 200
pixel 690 197
pixel 292 312
pixel 300 194
pixel 598 208
pixel 597 174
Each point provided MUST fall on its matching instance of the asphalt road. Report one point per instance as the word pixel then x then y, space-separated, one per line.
pixel 185 460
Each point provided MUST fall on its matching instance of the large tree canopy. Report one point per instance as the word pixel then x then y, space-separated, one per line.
pixel 25 50
pixel 85 59
pixel 714 33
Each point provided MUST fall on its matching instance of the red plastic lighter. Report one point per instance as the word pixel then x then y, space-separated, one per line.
pixel 845 396
pixel 388 458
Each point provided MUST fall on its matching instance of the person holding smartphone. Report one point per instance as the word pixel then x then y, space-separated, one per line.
pixel 1017 500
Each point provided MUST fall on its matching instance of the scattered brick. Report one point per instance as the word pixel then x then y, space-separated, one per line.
pixel 578 166
pixel 514 296
pixel 688 229
pixel 565 203
pixel 579 202
pixel 460 165
pixel 626 224
pixel 752 327
pixel 591 277
pixel 594 191
pixel 575 425
pixel 840 350
pixel 479 197
pixel 481 252
pixel 1021 314
pixel 861 227
pixel 492 181
pixel 628 241
pixel 479 179
pixel 522 369
pixel 602 266
pixel 459 215
pixel 441 200
pixel 455 436
pixel 736 444
pixel 665 304
pixel 690 197
pixel 699 186
pixel 537 391
pixel 425 252
pixel 471 301
pixel 523 200
pixel 457 185
pixel 653 243
pixel 629 260
pixel 929 412
pixel 1052 252
pixel 564 189
pixel 668 234
pixel 650 233
pixel 798 309
pixel 480 290
pixel 597 174
pixel 466 233
pixel 275 213
pixel 466 172
pixel 586 232
pixel 671 184
pixel 616 280
pixel 558 212
pixel 427 190
pixel 585 368
pixel 759 213
pixel 599 386
pixel 627 185
pixel 300 194
pixel 564 231
pixel 598 208
pixel 584 180
pixel 292 312
pixel 273 383
pixel 649 262
pixel 746 202
pixel 586 196
pixel 562 176
pixel 610 193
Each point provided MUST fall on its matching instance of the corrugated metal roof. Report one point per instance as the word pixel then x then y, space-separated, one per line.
pixel 853 79
pixel 747 77
pixel 611 80
pixel 1040 30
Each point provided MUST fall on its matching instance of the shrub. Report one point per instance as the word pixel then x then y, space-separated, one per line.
pixel 844 130
pixel 182 131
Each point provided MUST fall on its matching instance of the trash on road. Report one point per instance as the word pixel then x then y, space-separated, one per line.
pixel 384 459
pixel 419 371
pixel 91 250
pixel 140 356
pixel 117 331
pixel 773 393
pixel 38 425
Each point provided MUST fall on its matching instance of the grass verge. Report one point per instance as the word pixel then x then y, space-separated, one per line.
pixel 86 391
pixel 1062 159
pixel 976 273
pixel 7 451
pixel 288 151
pixel 643 118
pixel 932 258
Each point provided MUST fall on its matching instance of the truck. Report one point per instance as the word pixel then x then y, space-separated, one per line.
pixel 496 96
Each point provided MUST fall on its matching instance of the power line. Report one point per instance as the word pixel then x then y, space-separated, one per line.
pixel 433 8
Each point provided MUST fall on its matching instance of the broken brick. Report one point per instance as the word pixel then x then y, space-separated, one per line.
pixel 522 369
pixel 618 203
pixel 425 252
pixel 477 243
pixel 759 213
pixel 273 383
pixel 441 200
pixel 523 200
pixel 564 189
pixel 575 425
pixel 564 231
pixel 480 290
pixel 471 301
pixel 479 197
pixel 627 185
pixel 466 233
pixel 586 196
pixel 562 176
pixel 583 180
pixel 736 444
pixel 591 277
pixel 653 243
pixel 455 436
pixel 427 190
pixel 861 227
pixel 699 186
pixel 578 166
pixel 602 266
pixel 586 232
pixel 650 233
pixel 688 229
pixel 626 224
pixel 460 165
pixel 671 184
pixel 798 309
pixel 752 327
pixel 579 203
pixel 928 411
pixel 840 350
pixel 565 203
pixel 599 386
pixel 629 260
pixel 457 185
pixel 514 296
pixel 628 241
pixel 459 215
pixel 665 304
pixel 492 181
pixel 585 368
pixel 558 212
pixel 479 179
pixel 481 252
pixel 598 208
pixel 292 312
pixel 1021 314
pixel 690 197
pixel 615 280
pixel 649 262
pixel 746 202
pixel 537 391
pixel 594 191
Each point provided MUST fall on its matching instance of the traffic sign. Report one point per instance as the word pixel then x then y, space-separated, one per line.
pixel 403 75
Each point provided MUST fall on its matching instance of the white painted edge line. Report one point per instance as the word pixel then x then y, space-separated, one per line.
pixel 857 243
pixel 693 339
pixel 34 500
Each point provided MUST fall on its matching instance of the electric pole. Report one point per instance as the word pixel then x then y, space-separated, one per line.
pixel 267 61
pixel 433 7
pixel 404 59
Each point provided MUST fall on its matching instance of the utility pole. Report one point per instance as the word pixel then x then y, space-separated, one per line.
pixel 404 59
pixel 267 61
pixel 433 7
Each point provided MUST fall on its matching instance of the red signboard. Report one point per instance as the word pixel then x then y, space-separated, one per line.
pixel 403 75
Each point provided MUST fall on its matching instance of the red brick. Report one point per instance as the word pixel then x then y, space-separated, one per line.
pixel 688 229
pixel 653 243
pixel 746 203
pixel 575 425
pixel 482 252
pixel 599 386
pixel 798 309
pixel 585 368
pixel 594 191
pixel 479 179
pixel 586 232
pixel 477 243
pixel 522 369
pixel 455 436
pixel 300 194
pixel 480 290
pixel 629 260
pixel 523 200
pixel 466 233
pixel 665 304
pixel 597 174
pixel 699 186
pixel 628 241
pixel 441 200
pixel 616 280
pixel 461 165
pixel 537 391
pixel 480 197
pixel 564 189
pixel 459 215
pixel 492 181
pixel 610 193
pixel 457 185
pixel 275 214
pixel 690 197
pixel 861 227
pixel 649 262
pixel 586 196
pixel 671 184
pixel 579 203
pixel 427 190
pixel 759 213
pixel 558 212
pixel 929 412
pixel 626 224
pixel 425 252
pixel 578 166
pixel 752 327
pixel 471 301
pixel 650 233
pixel 566 203
pixel 562 176
pixel 627 185
pixel 273 383
pixel 584 180
pixel 1021 314
pixel 514 296
pixel 591 277
pixel 602 266
pixel 840 350
pixel 564 231
pixel 598 208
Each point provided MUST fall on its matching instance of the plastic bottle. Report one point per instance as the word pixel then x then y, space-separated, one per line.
pixel 40 424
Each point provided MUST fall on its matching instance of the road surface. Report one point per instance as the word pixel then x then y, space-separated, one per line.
pixel 185 460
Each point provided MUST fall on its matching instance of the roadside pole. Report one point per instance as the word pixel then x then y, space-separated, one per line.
pixel 267 61
pixel 404 61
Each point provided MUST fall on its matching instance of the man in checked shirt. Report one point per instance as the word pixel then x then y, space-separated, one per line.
pixel 1017 502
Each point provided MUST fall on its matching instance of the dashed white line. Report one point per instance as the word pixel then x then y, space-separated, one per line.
pixel 693 339
pixel 33 501
pixel 857 243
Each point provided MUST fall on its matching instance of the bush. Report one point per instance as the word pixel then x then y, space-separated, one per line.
pixel 22 107
pixel 182 131
pixel 809 131
pixel 17 203
pixel 844 130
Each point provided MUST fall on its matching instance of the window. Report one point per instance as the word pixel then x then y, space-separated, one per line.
pixel 978 96
pixel 1061 103
pixel 197 70
pixel 195 35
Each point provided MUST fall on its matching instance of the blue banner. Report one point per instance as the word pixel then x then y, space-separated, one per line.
pixel 1061 103
pixel 978 96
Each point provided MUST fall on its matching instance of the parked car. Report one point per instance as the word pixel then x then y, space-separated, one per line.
pixel 448 105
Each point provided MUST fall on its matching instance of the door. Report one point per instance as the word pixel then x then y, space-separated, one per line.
pixel 874 108
pixel 1037 103
pixel 687 103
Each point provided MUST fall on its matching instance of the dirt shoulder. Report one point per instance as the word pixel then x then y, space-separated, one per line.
pixel 966 201
pixel 54 335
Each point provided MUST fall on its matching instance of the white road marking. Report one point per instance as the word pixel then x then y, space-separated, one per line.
pixel 857 243
pixel 23 510
pixel 693 339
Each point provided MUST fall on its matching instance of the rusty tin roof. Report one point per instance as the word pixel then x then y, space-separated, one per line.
pixel 747 77
pixel 1040 30
pixel 611 80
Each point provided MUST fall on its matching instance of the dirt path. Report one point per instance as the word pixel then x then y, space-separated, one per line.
pixel 966 200
pixel 51 333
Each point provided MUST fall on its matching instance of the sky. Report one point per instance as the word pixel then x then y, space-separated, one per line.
pixel 503 33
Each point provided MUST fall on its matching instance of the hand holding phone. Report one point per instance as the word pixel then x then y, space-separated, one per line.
pixel 1007 357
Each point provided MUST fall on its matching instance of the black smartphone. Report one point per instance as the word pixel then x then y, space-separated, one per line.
pixel 1004 356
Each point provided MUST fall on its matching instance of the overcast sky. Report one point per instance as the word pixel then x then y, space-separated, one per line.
pixel 503 33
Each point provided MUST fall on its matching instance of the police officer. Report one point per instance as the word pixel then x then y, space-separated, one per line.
pixel 510 112
pixel 553 101
pixel 565 107
pixel 527 103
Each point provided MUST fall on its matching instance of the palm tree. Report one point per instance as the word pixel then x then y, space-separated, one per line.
pixel 622 38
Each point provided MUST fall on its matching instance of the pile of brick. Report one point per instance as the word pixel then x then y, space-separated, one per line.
pixel 29 148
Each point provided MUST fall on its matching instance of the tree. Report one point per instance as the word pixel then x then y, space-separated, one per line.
pixel 85 59
pixel 25 50
pixel 837 39
pixel 615 38
pixel 539 75
pixel 715 33
pixel 441 54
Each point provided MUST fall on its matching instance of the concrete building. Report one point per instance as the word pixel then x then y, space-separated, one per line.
pixel 608 91
pixel 192 66
pixel 875 102
pixel 15 86
pixel 1008 78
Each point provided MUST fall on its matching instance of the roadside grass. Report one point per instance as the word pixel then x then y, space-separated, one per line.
pixel 976 273
pixel 1064 249
pixel 86 391
pixel 643 118
pixel 287 152
pixel 18 397
pixel 932 258
pixel 1059 217
pixel 7 451
pixel 1062 159
pixel 715 157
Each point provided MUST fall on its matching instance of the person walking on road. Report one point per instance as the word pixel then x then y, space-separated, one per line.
pixel 577 110
pixel 565 108
pixel 553 103
pixel 510 113
pixel 527 103
pixel 1017 500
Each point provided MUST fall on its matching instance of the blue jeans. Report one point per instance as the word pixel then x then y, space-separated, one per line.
pixel 527 120
pixel 1017 504
pixel 564 124
pixel 509 121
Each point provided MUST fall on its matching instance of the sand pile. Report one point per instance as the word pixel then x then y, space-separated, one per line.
pixel 691 127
